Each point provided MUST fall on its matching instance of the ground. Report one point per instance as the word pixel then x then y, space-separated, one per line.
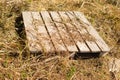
pixel 17 63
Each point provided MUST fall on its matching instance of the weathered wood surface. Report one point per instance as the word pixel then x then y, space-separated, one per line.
pixel 61 31
pixel 53 32
pixel 75 34
pixel 33 42
pixel 69 43
pixel 100 42
pixel 89 39
pixel 42 34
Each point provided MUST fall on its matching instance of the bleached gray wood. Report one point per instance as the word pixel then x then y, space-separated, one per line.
pixel 73 31
pixel 60 31
pixel 104 47
pixel 57 41
pixel 31 33
pixel 63 32
pixel 42 34
pixel 82 44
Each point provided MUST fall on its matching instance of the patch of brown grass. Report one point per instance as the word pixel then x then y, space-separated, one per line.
pixel 104 16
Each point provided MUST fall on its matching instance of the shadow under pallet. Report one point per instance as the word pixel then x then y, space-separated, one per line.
pixel 66 32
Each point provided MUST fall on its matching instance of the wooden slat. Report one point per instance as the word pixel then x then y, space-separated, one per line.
pixel 42 34
pixel 57 41
pixel 33 42
pixel 74 33
pixel 91 44
pixel 93 32
pixel 82 45
pixel 63 32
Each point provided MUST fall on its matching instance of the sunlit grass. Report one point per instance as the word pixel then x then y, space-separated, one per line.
pixel 104 16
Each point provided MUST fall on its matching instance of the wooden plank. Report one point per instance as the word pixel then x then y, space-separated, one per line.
pixel 57 41
pixel 104 47
pixel 82 45
pixel 74 33
pixel 42 34
pixel 91 44
pixel 63 32
pixel 86 37
pixel 31 33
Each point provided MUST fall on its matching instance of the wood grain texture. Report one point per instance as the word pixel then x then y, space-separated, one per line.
pixel 42 34
pixel 89 39
pixel 31 33
pixel 61 31
pixel 101 43
pixel 52 30
pixel 75 34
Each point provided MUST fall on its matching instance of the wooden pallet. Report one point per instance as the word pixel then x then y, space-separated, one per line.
pixel 61 31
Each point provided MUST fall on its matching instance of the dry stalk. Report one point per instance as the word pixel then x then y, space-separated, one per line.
pixel 7 70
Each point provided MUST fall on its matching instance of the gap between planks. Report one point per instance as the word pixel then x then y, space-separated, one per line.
pixel 61 31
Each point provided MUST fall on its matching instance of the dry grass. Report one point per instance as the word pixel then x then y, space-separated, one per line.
pixel 104 16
